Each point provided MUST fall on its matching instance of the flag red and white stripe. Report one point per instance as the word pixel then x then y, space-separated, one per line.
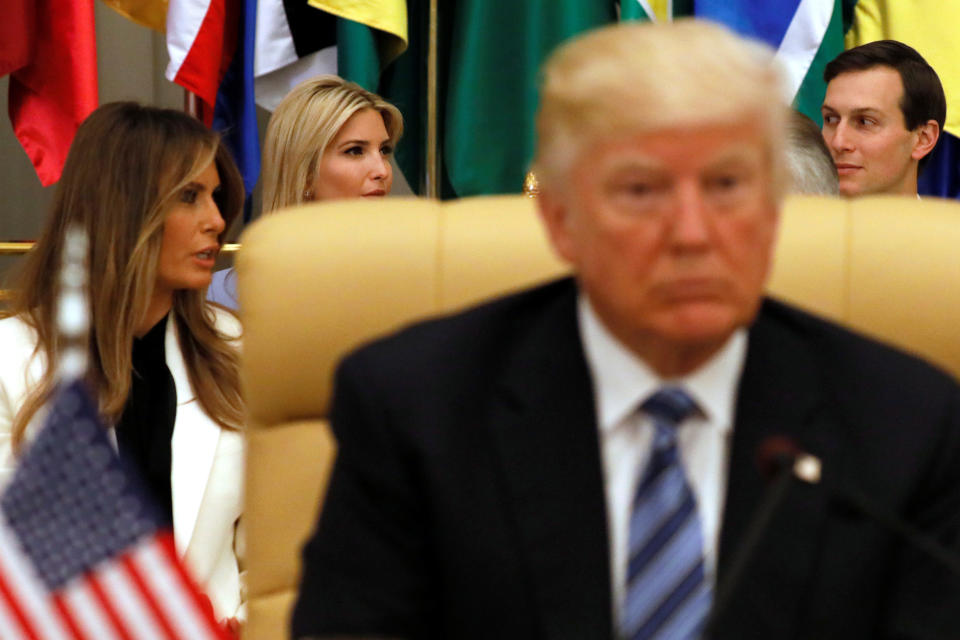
pixel 201 40
pixel 141 594
pixel 84 555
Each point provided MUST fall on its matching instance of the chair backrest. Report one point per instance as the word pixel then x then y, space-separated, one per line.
pixel 316 281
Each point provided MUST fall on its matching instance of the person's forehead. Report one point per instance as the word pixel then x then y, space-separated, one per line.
pixel 697 146
pixel 878 88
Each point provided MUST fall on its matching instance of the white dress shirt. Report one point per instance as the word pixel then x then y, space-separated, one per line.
pixel 621 383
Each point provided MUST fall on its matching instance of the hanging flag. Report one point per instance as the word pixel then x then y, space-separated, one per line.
pixel 654 10
pixel 487 85
pixel 50 47
pixel 83 555
pixel 386 16
pixel 639 10
pixel 149 13
pixel 235 111
pixel 234 54
pixel 16 36
pixel 806 34
pixel 489 54
pixel 929 27
pixel 294 42
pixel 201 40
pixel 492 85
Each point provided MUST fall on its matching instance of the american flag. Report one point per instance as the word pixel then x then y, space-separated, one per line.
pixel 83 553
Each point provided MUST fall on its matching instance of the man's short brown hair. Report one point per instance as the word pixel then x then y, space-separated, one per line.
pixel 923 98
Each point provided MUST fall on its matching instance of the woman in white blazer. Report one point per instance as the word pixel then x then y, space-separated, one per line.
pixel 155 190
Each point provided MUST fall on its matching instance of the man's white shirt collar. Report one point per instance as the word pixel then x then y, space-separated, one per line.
pixel 622 381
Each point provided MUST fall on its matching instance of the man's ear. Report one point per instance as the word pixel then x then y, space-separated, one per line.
pixel 927 137
pixel 557 218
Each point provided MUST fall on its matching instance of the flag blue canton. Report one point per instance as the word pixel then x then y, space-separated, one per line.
pixel 72 503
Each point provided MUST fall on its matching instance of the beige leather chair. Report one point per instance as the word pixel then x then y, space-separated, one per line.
pixel 317 281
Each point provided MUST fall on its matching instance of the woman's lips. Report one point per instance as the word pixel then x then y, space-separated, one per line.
pixel 207 257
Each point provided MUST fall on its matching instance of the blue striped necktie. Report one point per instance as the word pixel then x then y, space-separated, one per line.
pixel 667 595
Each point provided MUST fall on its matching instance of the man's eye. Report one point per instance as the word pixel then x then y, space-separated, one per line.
pixel 866 122
pixel 725 182
pixel 636 188
pixel 830 119
pixel 188 196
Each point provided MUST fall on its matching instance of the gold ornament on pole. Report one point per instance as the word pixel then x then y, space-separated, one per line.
pixel 531 186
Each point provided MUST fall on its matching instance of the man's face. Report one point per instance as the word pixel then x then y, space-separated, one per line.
pixel 864 128
pixel 671 234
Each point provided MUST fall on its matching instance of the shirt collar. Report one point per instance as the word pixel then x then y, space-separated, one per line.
pixel 621 380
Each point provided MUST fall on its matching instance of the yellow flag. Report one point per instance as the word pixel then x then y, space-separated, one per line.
pixel 389 16
pixel 929 26
pixel 663 9
pixel 149 13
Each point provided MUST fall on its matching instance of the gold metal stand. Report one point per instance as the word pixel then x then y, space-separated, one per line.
pixel 431 177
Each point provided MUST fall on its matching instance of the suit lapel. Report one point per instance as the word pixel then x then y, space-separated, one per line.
pixel 544 422
pixel 781 393
pixel 194 446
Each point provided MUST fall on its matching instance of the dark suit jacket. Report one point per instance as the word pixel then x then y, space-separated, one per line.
pixel 467 499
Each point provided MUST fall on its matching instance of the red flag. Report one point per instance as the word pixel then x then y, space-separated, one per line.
pixel 56 88
pixel 16 36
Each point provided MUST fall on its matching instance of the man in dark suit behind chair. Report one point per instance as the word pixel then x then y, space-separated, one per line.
pixel 576 461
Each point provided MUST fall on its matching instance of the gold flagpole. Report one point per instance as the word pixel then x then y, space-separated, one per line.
pixel 431 186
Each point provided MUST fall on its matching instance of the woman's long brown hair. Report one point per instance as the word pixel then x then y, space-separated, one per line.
pixel 126 168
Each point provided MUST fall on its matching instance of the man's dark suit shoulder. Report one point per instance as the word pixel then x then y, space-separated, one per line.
pixel 435 351
pixel 854 360
pixel 481 335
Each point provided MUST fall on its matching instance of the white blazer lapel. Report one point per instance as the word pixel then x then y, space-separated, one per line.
pixel 193 448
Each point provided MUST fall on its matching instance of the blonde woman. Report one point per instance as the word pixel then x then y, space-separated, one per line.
pixel 154 190
pixel 328 139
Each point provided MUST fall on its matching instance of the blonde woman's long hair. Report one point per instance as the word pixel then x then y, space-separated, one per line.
pixel 302 126
pixel 126 168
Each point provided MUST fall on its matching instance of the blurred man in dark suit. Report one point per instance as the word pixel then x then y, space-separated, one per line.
pixel 576 461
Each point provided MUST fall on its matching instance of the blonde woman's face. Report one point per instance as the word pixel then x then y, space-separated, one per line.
pixel 357 161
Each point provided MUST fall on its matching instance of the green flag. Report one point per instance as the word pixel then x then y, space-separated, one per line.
pixel 496 52
pixel 639 10
pixel 808 97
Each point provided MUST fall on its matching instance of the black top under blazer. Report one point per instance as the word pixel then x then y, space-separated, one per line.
pixel 467 498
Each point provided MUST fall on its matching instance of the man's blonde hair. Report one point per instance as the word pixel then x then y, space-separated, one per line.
pixel 302 126
pixel 635 78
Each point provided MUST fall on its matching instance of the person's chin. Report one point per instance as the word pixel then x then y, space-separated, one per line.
pixel 850 187
pixel 198 282
pixel 701 321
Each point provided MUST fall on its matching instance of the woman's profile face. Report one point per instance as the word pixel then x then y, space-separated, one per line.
pixel 357 161
pixel 191 233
